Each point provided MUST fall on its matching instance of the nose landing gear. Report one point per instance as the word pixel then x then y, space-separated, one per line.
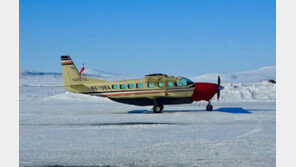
pixel 209 107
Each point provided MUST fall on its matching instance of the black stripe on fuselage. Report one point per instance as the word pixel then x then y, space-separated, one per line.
pixel 149 102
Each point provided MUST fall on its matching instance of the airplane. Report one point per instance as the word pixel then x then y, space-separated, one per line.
pixel 154 90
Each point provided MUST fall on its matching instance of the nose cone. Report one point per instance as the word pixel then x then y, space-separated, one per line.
pixel 204 91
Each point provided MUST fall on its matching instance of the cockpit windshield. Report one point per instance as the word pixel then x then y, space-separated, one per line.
pixel 186 81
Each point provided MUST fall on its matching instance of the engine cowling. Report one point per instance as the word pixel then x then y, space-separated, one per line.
pixel 204 91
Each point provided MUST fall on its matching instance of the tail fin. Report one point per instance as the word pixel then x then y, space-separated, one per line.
pixel 71 75
pixel 73 81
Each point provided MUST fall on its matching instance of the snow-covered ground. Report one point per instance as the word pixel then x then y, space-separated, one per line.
pixel 67 129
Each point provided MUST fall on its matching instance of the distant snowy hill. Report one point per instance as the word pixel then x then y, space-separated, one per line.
pixel 99 73
pixel 36 78
pixel 40 79
pixel 259 75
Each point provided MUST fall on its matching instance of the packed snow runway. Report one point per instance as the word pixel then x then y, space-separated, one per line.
pixel 101 133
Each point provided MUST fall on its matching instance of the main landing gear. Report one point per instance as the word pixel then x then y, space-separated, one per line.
pixel 157 108
pixel 209 107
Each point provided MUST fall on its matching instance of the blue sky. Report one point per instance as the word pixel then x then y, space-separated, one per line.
pixel 139 37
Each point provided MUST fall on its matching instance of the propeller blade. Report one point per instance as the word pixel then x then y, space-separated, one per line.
pixel 218 91
pixel 219 80
pixel 218 95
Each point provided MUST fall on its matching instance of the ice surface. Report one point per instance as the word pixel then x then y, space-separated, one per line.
pixel 73 133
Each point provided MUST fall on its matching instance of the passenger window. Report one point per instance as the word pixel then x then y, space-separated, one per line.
pixel 139 85
pixel 170 84
pixel 178 84
pixel 160 84
pixel 150 85
pixel 130 86
pixel 122 86
pixel 114 86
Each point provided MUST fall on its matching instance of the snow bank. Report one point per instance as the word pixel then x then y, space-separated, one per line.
pixel 255 92
pixel 69 96
pixel 39 92
pixel 53 93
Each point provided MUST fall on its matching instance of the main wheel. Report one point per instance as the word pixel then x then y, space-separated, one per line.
pixel 209 107
pixel 157 109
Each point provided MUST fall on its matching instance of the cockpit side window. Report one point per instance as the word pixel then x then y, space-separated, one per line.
pixel 186 81
pixel 177 83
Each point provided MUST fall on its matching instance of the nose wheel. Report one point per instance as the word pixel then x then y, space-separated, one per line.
pixel 209 107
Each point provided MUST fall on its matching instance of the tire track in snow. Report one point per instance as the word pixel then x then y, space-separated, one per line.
pixel 257 129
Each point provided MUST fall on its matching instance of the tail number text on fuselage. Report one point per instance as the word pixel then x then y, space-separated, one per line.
pixel 100 87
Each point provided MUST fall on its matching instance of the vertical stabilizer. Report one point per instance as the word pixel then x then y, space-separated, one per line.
pixel 71 75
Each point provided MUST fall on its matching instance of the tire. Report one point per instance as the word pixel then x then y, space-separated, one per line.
pixel 157 109
pixel 209 107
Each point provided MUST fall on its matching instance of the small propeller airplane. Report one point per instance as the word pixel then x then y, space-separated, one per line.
pixel 156 90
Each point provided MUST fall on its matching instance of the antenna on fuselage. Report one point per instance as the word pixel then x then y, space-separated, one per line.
pixel 82 70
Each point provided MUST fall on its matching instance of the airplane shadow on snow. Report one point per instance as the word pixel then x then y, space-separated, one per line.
pixel 233 110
